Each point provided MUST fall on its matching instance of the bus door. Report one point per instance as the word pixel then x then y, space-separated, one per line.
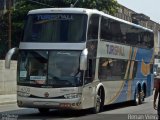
pixel 89 87
pixel 92 39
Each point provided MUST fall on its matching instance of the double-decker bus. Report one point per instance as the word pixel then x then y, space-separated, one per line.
pixel 76 58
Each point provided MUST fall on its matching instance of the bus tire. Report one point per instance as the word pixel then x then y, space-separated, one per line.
pixel 97 106
pixel 143 96
pixel 43 110
pixel 144 93
pixel 99 101
pixel 138 98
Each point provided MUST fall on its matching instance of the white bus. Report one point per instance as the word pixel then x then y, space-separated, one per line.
pixel 76 58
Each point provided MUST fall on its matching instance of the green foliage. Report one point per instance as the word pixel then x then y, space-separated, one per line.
pixel 103 5
pixel 3 33
pixel 20 12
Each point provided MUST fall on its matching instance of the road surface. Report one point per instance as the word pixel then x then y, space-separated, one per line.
pixel 123 111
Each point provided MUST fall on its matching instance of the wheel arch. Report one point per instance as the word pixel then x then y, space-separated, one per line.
pixel 138 86
pixel 144 88
pixel 100 86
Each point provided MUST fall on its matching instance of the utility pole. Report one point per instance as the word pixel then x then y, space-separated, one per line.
pixel 9 24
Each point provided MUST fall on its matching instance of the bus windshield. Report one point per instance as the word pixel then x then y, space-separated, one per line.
pixel 55 68
pixel 55 28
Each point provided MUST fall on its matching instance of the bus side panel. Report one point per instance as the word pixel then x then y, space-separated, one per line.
pixel 150 81
pixel 144 72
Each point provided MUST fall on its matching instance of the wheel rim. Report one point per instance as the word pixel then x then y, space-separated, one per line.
pixel 143 95
pixel 98 103
pixel 137 98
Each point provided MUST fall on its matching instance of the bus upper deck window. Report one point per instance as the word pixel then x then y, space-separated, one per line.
pixel 93 27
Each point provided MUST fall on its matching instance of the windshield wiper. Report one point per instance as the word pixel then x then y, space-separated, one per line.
pixel 56 80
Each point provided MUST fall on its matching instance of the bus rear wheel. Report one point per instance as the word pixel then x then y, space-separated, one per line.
pixel 43 110
pixel 143 95
pixel 138 98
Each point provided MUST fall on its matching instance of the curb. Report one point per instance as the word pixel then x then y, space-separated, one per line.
pixel 8 102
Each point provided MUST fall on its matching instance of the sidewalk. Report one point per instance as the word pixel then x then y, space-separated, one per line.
pixel 6 99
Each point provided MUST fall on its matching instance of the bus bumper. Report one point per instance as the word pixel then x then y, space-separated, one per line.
pixel 49 103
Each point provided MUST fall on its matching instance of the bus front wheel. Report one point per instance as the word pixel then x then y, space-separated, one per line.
pixel 97 106
pixel 99 101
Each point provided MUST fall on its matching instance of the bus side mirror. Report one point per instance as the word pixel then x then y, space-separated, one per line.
pixel 83 60
pixel 8 57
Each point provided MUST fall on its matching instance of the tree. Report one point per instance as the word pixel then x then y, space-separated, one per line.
pixel 111 6
pixel 103 5
pixel 18 19
pixel 3 37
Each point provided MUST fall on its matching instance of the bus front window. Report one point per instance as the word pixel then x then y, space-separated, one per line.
pixel 33 67
pixel 54 68
pixel 63 68
pixel 55 28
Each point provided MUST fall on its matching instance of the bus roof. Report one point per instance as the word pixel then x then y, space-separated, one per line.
pixel 83 11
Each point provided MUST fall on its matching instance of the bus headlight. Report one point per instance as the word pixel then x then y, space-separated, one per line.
pixel 23 94
pixel 72 95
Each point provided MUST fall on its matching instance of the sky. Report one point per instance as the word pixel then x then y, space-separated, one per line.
pixel 151 8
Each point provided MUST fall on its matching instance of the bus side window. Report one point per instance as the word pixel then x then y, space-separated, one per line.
pixel 105 69
pixel 93 27
pixel 106 33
